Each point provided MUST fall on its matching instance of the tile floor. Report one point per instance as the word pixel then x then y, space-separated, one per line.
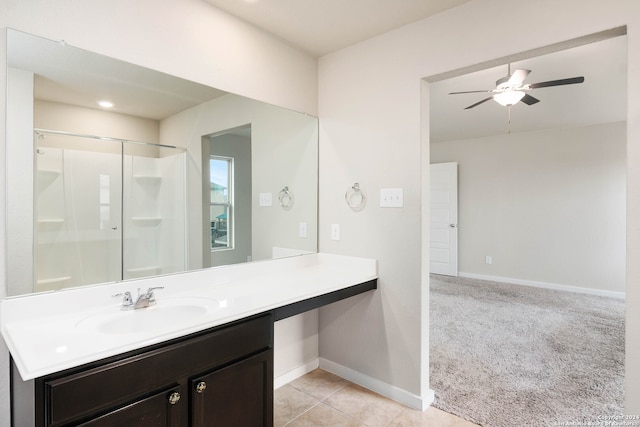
pixel 323 399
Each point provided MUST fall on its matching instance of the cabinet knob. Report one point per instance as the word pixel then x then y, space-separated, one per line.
pixel 174 397
pixel 201 386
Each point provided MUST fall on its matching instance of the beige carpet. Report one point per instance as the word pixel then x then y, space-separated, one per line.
pixel 507 355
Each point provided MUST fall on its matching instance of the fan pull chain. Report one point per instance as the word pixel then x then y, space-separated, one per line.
pixel 509 121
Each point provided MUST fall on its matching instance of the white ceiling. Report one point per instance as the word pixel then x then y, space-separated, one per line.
pixel 323 26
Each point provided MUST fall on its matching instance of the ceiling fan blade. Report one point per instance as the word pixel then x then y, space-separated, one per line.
pixel 529 100
pixel 560 82
pixel 518 76
pixel 479 102
pixel 471 91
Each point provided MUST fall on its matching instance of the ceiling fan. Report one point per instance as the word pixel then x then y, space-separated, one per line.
pixel 511 89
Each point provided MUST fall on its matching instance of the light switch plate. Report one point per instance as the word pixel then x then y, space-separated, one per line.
pixel 335 231
pixel 266 199
pixel 391 198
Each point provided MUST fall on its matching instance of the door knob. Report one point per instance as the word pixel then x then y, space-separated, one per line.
pixel 453 225
pixel 174 397
pixel 201 387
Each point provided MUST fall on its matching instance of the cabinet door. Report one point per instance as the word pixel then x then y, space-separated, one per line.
pixel 239 395
pixel 159 410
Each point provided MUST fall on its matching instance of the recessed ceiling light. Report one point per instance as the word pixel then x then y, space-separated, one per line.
pixel 105 104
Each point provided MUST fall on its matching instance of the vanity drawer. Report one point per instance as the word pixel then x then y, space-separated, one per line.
pixel 81 395
pixel 154 410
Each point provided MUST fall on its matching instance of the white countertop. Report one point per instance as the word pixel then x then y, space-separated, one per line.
pixel 50 332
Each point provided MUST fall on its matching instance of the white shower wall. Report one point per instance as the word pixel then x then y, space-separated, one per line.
pixel 154 215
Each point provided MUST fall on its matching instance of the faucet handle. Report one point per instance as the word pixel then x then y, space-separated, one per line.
pixel 126 300
pixel 149 293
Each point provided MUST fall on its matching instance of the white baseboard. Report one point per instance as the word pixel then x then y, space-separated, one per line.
pixel 545 285
pixel 295 373
pixel 387 390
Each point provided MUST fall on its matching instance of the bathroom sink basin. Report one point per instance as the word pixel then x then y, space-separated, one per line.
pixel 166 315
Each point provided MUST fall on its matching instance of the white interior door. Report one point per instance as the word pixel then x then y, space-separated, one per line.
pixel 443 235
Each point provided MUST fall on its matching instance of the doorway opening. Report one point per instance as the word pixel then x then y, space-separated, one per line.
pixel 542 202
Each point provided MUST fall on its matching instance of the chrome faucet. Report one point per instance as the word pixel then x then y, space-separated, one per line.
pixel 144 300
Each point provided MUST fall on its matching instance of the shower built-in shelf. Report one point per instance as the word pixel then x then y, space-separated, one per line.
pixel 47 176
pixel 146 221
pixel 148 179
pixel 51 221
pixel 49 172
pixel 53 280
pixel 152 270
pixel 52 284
pixel 50 224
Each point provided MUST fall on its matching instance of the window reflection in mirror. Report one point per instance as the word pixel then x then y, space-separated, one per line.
pixel 221 196
pixel 231 183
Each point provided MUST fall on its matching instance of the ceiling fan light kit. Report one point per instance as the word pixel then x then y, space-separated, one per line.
pixel 508 98
pixel 511 89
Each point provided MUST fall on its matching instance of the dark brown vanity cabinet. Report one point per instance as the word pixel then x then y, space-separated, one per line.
pixel 220 377
pixel 238 395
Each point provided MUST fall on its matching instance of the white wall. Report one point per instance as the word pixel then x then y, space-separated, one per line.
pixel 188 38
pixel 374 130
pixel 547 206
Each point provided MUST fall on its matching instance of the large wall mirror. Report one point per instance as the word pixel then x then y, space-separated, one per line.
pixel 164 176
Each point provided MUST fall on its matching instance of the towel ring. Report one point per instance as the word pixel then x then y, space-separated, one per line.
pixel 355 197
pixel 286 198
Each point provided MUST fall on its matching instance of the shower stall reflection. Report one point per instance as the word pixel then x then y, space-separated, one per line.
pixel 107 210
